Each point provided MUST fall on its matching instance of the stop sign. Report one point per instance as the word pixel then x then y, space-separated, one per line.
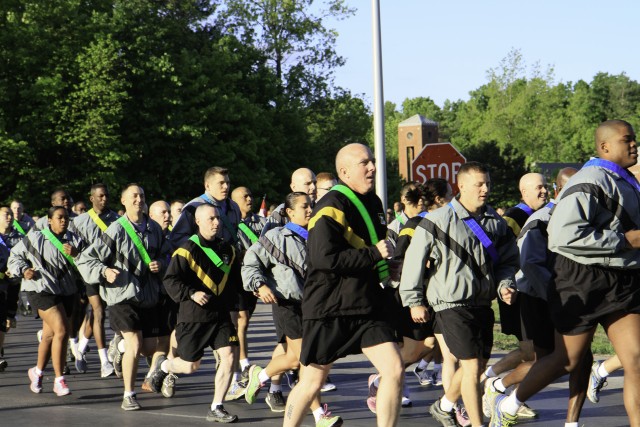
pixel 440 160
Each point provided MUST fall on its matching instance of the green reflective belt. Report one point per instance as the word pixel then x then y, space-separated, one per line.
pixel 94 216
pixel 399 218
pixel 383 267
pixel 18 227
pixel 124 222
pixel 248 232
pixel 212 255
pixel 58 244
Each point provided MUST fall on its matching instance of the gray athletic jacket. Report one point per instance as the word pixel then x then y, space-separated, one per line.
pixel 278 259
pixel 595 209
pixel 461 272
pixel 54 274
pixel 115 249
pixel 394 228
pixel 86 228
pixel 536 262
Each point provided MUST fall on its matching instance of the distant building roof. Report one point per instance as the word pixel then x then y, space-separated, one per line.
pixel 418 120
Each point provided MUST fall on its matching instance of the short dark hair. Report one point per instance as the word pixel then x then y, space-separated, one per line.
pixel 128 186
pixel 94 187
pixel 215 170
pixel 472 167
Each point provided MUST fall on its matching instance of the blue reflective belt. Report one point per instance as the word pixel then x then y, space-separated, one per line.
pixel 613 167
pixel 525 208
pixel 423 214
pixel 299 230
pixel 550 205
pixel 481 235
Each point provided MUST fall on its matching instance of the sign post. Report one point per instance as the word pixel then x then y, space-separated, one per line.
pixel 439 160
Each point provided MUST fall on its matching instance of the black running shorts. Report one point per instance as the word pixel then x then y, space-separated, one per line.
pixel 193 338
pixel 467 331
pixel 326 340
pixel 536 322
pixel 584 295
pixel 287 316
pixel 44 301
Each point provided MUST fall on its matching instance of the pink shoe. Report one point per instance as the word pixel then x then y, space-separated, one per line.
pixel 60 388
pixel 373 392
pixel 461 416
pixel 36 381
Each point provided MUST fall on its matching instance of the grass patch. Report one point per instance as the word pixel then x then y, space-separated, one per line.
pixel 600 345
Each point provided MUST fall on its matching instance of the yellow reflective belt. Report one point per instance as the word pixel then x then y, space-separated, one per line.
pixel 94 216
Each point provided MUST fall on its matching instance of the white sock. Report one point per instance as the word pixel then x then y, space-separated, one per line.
pixel 511 404
pixel 244 363
pixel 602 371
pixel 437 367
pixel 58 379
pixel 164 366
pixel 275 387
pixel 489 372
pixel 37 371
pixel 236 376
pixel 445 404
pixel 317 413
pixel 121 347
pixel 129 393
pixel 82 344
pixel 422 365
pixel 498 386
pixel 376 382
pixel 570 424
pixel 263 377
pixel 103 355
pixel 214 405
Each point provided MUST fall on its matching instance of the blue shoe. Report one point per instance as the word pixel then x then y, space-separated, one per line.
pixel 499 417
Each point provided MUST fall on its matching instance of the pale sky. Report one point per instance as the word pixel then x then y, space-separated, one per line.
pixel 443 49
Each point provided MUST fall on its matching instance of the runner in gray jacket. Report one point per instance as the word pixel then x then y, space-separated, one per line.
pixel 466 270
pixel 595 233
pixel 45 259
pixel 130 282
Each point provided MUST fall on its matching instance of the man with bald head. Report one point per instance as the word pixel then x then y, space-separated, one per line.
pixel 594 233
pixel 160 212
pixel 343 308
pixel 533 282
pixel 303 180
pixel 203 317
pixel 533 190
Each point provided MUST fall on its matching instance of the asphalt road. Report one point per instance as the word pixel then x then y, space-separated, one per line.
pixel 96 402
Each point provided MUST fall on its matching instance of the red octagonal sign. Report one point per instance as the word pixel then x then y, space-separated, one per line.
pixel 440 160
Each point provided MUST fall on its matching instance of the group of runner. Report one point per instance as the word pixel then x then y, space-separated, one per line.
pixel 178 279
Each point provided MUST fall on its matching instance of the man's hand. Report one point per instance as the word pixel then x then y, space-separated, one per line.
pixel 111 274
pixel 419 314
pixel 200 298
pixel 70 250
pixel 29 273
pixel 633 239
pixel 508 295
pixel 385 247
pixel 266 295
pixel 154 266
